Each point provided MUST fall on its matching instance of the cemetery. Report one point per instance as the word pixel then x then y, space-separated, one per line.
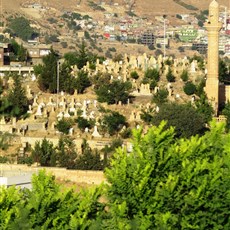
pixel 46 110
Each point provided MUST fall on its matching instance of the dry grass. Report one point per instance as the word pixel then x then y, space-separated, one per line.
pixel 147 8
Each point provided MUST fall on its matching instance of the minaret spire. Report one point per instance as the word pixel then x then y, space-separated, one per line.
pixel 213 26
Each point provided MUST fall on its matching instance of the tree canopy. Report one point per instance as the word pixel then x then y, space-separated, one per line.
pixel 168 183
pixel 20 26
pixel 163 183
pixel 184 117
pixel 114 92
pixel 15 104
pixel 47 72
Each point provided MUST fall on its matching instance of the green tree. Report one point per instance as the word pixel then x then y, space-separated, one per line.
pixel 204 108
pixel 82 81
pixel 64 125
pixel 83 123
pixel 200 88
pixel 224 75
pixel 19 52
pixel 169 76
pixel 165 183
pixel 160 96
pixel 71 58
pixel 113 122
pixel 114 92
pixel 20 27
pixel 189 88
pixel 134 75
pixel 183 117
pixel 66 152
pixel 48 206
pixel 47 72
pixel 226 112
pixel 152 74
pixel 17 100
pixel 82 56
pixel 44 153
pixel 184 75
pixel 66 80
pixel 89 159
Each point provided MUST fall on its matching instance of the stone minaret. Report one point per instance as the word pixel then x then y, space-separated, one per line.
pixel 213 27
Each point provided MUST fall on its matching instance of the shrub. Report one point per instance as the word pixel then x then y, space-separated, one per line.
pixel 64 125
pixel 134 75
pixel 184 75
pixel 160 97
pixel 170 77
pixel 189 88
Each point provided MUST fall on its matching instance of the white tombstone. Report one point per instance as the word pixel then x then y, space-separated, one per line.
pixel 66 115
pixel 157 109
pixel 33 77
pixel 71 131
pixel 35 102
pixel 95 103
pixel 30 109
pixel 193 67
pixel 39 111
pixel 95 132
pixel 177 96
pixel 84 115
pixel 2 121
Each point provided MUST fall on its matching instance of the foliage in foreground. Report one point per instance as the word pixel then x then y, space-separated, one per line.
pixel 168 183
pixel 164 183
pixel 47 206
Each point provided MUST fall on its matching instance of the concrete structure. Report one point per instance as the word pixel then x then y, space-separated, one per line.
pixel 200 47
pixel 19 69
pixel 148 38
pixel 15 177
pixel 188 34
pixel 37 52
pixel 213 26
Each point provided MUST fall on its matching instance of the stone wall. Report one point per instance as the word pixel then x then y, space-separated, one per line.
pixel 76 176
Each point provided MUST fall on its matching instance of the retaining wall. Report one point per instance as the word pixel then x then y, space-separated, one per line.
pixel 77 176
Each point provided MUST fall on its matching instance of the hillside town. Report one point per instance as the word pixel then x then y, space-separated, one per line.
pixel 113 116
pixel 172 74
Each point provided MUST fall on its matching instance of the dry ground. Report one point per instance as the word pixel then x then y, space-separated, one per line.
pixel 147 8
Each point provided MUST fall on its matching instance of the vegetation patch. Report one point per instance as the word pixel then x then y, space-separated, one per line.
pixel 185 5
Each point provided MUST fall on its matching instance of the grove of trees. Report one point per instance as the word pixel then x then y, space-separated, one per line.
pixel 14 103
pixel 164 183
pixel 20 27
pixel 65 154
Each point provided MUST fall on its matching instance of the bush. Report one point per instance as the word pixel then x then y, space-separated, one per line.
pixel 165 183
pixel 189 88
pixel 21 27
pixel 112 49
pixel 64 44
pixel 184 117
pixel 170 77
pixel 152 74
pixel 64 125
pixel 160 97
pixel 84 123
pixel 134 75
pixel 181 49
pixel 184 75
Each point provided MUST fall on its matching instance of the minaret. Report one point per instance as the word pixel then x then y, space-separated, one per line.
pixel 213 27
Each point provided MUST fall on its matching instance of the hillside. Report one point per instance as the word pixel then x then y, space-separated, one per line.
pixel 146 8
